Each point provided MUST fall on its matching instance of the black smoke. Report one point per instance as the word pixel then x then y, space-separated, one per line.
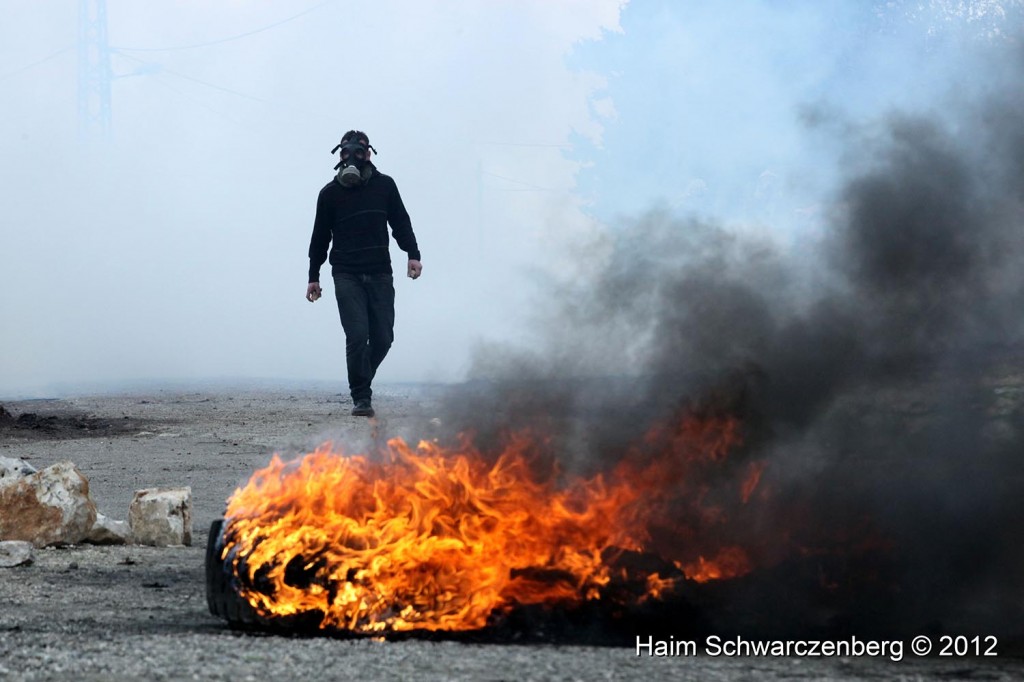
pixel 879 372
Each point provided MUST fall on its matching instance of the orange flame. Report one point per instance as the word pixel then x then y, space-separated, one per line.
pixel 443 540
pixel 730 562
pixel 753 478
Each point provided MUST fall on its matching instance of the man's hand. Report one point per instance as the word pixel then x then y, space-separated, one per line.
pixel 415 268
pixel 313 292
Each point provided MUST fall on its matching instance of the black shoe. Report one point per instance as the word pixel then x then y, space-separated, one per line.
pixel 363 408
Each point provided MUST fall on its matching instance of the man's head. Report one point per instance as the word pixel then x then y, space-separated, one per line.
pixel 355 167
pixel 356 135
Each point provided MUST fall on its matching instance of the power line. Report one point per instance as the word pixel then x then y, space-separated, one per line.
pixel 160 69
pixel 194 100
pixel 163 69
pixel 563 145
pixel 526 189
pixel 36 63
pixel 224 40
pixel 529 185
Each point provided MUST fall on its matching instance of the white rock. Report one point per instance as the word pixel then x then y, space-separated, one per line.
pixel 161 516
pixel 12 470
pixel 107 531
pixel 49 507
pixel 15 553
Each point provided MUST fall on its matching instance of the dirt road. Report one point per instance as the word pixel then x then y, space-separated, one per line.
pixel 113 613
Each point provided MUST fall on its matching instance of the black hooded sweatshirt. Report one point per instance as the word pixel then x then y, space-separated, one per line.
pixel 356 220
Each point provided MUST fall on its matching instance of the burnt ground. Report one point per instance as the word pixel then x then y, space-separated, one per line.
pixel 112 613
pixel 57 421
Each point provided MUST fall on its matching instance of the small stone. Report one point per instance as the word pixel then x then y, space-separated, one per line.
pixel 107 531
pixel 161 516
pixel 15 553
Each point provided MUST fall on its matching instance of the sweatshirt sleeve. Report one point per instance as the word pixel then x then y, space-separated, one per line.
pixel 401 224
pixel 321 238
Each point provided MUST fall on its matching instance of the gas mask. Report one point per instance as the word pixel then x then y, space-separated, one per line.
pixel 354 168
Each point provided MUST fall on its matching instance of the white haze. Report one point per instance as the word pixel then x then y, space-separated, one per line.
pixel 177 250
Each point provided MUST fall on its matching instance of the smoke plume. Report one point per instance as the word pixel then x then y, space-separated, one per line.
pixel 881 381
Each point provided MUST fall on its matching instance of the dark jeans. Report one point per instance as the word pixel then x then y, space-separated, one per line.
pixel 366 304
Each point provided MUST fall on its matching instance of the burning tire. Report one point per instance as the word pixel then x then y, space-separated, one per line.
pixel 225 601
pixel 591 623
pixel 437 544
pixel 222 598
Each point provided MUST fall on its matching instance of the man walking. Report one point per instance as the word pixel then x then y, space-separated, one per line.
pixel 353 211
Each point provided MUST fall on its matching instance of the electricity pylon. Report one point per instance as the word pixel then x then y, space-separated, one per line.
pixel 94 73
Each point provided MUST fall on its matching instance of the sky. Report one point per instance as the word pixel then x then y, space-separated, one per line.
pixel 519 133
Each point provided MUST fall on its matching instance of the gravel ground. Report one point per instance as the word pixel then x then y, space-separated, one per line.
pixel 113 613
